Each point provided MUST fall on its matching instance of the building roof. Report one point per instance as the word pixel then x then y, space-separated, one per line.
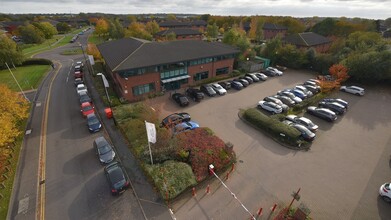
pixel 182 24
pixel 131 53
pixel 271 26
pixel 179 32
pixel 307 39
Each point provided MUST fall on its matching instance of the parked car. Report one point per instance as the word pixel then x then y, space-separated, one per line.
pixel 277 101
pixel 226 85
pixel 353 90
pixel 299 93
pixel 313 89
pixel 207 89
pixel 261 76
pixel 180 99
pixel 247 78
pixel 86 109
pixel 104 150
pixel 305 90
pixel 333 106
pixel 339 101
pixel 78 74
pixel 78 68
pixel 306 134
pixel 303 121
pixel 236 85
pixel 174 119
pixel 81 88
pixel 115 175
pixel 270 107
pixel 83 97
pixel 276 71
pixel 185 126
pixel 385 192
pixel 93 123
pixel 195 94
pixel 286 100
pixel 253 77
pixel 78 81
pixel 323 113
pixel 244 82
pixel 313 82
pixel 80 63
pixel 219 89
pixel 290 95
pixel 269 73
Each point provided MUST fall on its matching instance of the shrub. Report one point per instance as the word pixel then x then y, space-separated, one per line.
pixel 36 61
pixel 171 177
pixel 307 102
pixel 135 132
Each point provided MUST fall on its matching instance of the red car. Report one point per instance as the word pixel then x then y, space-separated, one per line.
pixel 78 74
pixel 86 109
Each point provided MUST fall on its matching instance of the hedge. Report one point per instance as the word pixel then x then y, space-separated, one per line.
pixel 273 127
pixel 36 61
pixel 307 102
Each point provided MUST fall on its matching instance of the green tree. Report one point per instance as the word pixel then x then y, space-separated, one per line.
pixel 63 27
pixel 259 30
pixel 325 27
pixel 291 56
pixel 137 29
pixel 116 31
pixel 212 30
pixel 205 17
pixel 46 28
pixel 364 41
pixel 387 22
pixel 152 27
pixel 102 27
pixel 31 34
pixel 271 49
pixel 171 36
pixel 171 17
pixel 238 38
pixel 9 52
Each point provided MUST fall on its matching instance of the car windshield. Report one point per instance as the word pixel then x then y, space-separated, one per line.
pixel 104 149
pixel 183 99
pixel 81 88
pixel 87 108
pixel 117 177
pixel 84 98
pixel 93 120
pixel 218 87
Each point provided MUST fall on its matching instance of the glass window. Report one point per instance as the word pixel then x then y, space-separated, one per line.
pixel 142 89
pixel 201 76
pixel 221 71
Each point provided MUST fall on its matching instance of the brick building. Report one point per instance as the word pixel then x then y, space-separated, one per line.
pixel 199 25
pixel 308 40
pixel 140 67
pixel 180 33
pixel 271 31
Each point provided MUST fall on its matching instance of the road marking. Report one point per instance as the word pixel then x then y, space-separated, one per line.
pixel 23 205
pixel 69 72
pixel 40 209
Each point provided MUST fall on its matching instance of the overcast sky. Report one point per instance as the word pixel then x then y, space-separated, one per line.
pixel 375 9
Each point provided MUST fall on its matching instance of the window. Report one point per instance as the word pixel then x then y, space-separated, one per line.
pixel 221 71
pixel 139 90
pixel 201 76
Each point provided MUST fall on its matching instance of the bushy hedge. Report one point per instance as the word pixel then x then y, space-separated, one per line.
pixel 307 102
pixel 273 127
pixel 37 61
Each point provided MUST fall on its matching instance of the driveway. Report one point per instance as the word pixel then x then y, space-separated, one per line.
pixel 339 177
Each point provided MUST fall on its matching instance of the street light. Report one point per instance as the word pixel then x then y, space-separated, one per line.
pixel 106 85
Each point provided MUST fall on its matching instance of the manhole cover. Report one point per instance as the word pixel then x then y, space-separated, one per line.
pixel 241 161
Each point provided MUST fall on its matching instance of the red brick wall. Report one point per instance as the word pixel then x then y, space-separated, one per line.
pixel 270 34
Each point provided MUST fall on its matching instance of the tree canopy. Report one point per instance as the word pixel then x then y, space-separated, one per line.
pixel 9 52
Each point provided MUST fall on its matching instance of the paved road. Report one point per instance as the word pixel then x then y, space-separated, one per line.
pixel 339 177
pixel 75 186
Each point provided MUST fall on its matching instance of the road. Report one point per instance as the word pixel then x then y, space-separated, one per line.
pixel 71 183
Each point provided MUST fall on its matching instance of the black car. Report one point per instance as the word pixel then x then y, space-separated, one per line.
pixel 306 134
pixel 253 77
pixel 180 99
pixel 236 85
pixel 323 113
pixel 207 89
pixel 339 101
pixel 244 82
pixel 286 100
pixel 93 123
pixel 115 175
pixel 313 89
pixel 226 85
pixel 195 94
pixel 247 78
pixel 174 119
pixel 333 106
pixel 103 150
pixel 83 97
pixel 269 73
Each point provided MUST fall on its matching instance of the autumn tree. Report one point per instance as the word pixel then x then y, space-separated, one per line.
pixel 152 27
pixel 93 50
pixel 171 36
pixel 339 72
pixel 9 52
pixel 212 30
pixel 102 27
pixel 171 17
pixel 63 27
pixel 137 30
pixel 31 34
pixel 46 28
pixel 13 110
pixel 116 31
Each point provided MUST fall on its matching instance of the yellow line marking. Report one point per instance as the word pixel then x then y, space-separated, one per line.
pixel 42 153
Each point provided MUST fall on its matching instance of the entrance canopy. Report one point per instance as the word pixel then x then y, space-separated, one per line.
pixel 175 79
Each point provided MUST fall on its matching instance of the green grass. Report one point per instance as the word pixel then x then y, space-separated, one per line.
pixel 95 39
pixel 28 77
pixel 7 191
pixel 29 49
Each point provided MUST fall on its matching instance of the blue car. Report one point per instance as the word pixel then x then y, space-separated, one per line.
pixel 93 123
pixel 185 126
pixel 236 85
pixel 299 93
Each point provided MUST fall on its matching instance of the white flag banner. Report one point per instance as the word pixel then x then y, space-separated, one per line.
pixel 151 132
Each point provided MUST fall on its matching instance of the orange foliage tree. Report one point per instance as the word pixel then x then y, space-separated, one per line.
pixel 93 50
pixel 339 75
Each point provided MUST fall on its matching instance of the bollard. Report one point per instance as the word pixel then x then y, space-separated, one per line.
pixel 227 176
pixel 194 192
pixel 208 189
pixel 233 167
pixel 259 212
pixel 274 207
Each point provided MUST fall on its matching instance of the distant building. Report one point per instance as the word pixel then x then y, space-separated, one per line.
pixel 180 33
pixel 195 25
pixel 139 67
pixel 12 26
pixel 309 40
pixel 271 31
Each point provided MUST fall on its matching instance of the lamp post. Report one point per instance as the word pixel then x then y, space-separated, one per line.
pixel 106 85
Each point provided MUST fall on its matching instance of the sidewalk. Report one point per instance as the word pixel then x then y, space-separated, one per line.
pixel 151 204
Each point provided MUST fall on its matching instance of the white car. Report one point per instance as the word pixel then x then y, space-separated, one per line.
pixel 290 95
pixel 353 90
pixel 79 63
pixel 261 76
pixel 278 72
pixel 81 88
pixel 219 89
pixel 270 107
pixel 385 192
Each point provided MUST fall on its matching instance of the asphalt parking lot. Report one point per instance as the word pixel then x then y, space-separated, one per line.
pixel 339 176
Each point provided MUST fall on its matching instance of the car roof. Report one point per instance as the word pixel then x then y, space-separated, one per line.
pixel 91 115
pixel 85 104
pixel 101 141
pixel 356 87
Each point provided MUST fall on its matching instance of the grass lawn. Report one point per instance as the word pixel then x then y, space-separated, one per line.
pixel 29 49
pixel 28 77
pixel 95 39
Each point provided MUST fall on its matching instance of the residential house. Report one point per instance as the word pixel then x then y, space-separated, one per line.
pixel 271 31
pixel 309 40
pixel 180 33
pixel 199 25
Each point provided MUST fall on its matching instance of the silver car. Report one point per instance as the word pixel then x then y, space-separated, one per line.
pixel 353 90
pixel 270 107
pixel 303 121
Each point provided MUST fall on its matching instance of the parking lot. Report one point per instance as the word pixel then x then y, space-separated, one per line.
pixel 339 176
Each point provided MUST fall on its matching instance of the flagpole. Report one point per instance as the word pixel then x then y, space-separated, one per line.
pixel 149 143
pixel 150 152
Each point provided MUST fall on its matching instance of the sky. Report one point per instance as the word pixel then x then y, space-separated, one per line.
pixel 373 9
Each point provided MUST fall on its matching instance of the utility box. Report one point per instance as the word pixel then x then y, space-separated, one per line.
pixel 109 113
